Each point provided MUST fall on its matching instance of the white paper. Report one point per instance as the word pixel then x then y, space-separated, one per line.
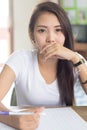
pixel 5 127
pixel 62 119
pixel 57 119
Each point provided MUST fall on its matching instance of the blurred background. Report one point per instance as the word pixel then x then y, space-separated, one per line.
pixel 14 20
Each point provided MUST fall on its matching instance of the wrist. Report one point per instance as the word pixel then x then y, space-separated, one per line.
pixel 76 58
pixel 81 61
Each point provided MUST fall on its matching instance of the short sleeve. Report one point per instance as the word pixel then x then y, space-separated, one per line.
pixel 15 62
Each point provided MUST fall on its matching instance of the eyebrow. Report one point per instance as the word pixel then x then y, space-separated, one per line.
pixel 46 26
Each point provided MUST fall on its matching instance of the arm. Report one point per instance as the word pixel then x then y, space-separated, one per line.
pixel 24 122
pixel 60 52
pixel 82 70
pixel 7 77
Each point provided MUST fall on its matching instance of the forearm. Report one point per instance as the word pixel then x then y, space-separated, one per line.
pixel 82 70
pixel 3 108
pixel 5 118
pixel 9 120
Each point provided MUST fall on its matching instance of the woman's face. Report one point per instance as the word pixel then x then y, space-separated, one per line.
pixel 47 30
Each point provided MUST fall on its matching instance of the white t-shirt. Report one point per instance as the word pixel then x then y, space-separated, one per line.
pixel 31 87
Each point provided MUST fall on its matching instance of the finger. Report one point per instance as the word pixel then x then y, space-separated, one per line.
pixel 51 54
pixel 46 47
pixel 29 118
pixel 30 125
pixel 50 50
pixel 57 57
pixel 31 109
pixel 39 109
pixel 33 123
pixel 53 50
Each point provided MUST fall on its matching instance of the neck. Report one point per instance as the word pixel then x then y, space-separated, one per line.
pixel 47 69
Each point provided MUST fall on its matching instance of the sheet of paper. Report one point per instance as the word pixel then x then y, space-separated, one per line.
pixel 62 119
pixel 5 127
pixel 57 119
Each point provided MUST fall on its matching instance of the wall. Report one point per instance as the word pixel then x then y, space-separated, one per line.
pixel 21 13
pixel 22 10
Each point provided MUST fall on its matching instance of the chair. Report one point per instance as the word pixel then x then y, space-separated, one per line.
pixel 13 98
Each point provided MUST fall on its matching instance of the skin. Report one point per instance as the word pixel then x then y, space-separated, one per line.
pixel 23 122
pixel 49 40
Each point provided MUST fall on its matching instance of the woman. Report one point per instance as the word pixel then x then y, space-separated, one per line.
pixel 44 76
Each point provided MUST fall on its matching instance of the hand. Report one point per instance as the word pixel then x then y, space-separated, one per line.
pixel 27 122
pixel 57 51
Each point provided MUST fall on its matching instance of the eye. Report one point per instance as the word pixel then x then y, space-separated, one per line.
pixel 58 30
pixel 41 30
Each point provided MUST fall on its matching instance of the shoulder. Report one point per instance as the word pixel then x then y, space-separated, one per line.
pixel 23 55
pixel 21 60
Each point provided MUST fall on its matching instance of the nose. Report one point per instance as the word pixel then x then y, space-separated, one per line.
pixel 50 37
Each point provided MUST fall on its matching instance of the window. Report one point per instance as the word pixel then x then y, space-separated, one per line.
pixel 5 31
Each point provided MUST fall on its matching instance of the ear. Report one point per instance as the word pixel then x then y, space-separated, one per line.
pixel 32 39
pixel 31 36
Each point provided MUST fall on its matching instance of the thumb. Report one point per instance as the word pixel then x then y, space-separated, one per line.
pixel 39 109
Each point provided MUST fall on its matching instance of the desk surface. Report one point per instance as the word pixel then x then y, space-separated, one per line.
pixel 82 111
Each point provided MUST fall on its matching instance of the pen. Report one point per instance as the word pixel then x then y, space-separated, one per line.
pixel 19 113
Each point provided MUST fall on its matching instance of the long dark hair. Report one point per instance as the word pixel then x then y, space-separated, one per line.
pixel 64 74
